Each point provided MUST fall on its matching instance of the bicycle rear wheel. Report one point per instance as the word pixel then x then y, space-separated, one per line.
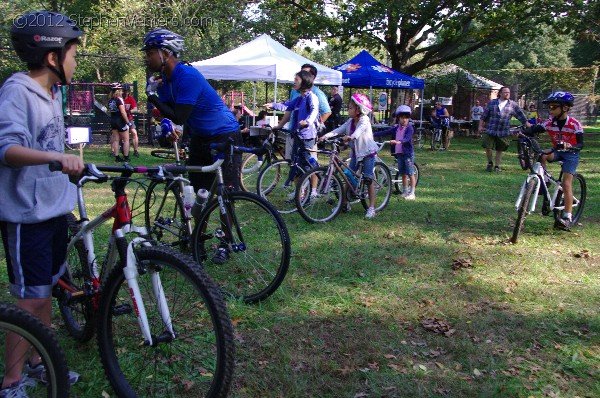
pixel 275 185
pixel 323 203
pixel 523 210
pixel 383 187
pixel 25 329
pixel 255 255
pixel 419 138
pixel 198 361
pixel 77 311
pixel 164 214
pixel 579 195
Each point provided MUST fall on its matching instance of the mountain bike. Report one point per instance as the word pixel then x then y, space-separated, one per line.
pixel 251 170
pixel 277 183
pixel 440 141
pixel 337 185
pixel 159 318
pixel 25 329
pixel 539 181
pixel 247 236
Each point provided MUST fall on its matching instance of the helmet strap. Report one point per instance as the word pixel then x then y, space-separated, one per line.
pixel 60 72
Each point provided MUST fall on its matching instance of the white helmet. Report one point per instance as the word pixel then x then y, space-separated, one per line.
pixel 403 109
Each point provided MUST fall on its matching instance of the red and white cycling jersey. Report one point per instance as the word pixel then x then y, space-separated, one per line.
pixel 566 134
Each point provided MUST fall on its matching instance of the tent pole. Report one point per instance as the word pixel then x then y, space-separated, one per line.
pixel 422 106
pixel 371 99
pixel 254 104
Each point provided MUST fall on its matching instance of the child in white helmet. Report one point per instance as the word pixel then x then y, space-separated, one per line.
pixel 403 150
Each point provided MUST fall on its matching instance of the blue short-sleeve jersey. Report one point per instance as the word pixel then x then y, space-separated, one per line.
pixel 210 116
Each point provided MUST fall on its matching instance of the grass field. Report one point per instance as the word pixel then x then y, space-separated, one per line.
pixel 428 299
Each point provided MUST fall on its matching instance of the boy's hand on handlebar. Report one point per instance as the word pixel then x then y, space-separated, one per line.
pixel 71 164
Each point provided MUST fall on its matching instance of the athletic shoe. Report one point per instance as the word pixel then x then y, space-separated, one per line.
pixel 410 196
pixel 405 194
pixel 497 169
pixel 489 167
pixel 136 154
pixel 346 208
pixel 126 158
pixel 16 390
pixel 314 194
pixel 370 212
pixel 564 224
pixel 221 255
pixel 119 159
pixel 37 373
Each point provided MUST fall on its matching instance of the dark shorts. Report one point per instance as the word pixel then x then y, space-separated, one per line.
pixel 499 144
pixel 200 155
pixel 406 163
pixel 35 256
pixel 570 161
pixel 118 124
pixel 303 148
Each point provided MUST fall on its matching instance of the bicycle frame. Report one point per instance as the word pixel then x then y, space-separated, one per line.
pixel 540 174
pixel 122 226
pixel 336 164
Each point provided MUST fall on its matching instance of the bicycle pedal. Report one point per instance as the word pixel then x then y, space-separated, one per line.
pixel 122 309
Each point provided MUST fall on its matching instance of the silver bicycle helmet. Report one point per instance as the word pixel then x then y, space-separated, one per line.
pixel 163 38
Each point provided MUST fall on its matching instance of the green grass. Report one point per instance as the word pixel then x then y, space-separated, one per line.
pixel 349 319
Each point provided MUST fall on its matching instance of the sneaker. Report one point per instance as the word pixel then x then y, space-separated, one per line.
pixel 221 255
pixel 497 169
pixel 37 373
pixel 126 158
pixel 564 224
pixel 370 212
pixel 405 194
pixel 489 167
pixel 314 194
pixel 136 154
pixel 119 159
pixel 16 390
pixel 410 196
pixel 346 208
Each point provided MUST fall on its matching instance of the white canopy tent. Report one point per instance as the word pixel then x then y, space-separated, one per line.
pixel 263 59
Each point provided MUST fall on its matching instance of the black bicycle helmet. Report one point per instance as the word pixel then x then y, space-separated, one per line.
pixel 560 97
pixel 35 33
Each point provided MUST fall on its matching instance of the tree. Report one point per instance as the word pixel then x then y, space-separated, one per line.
pixel 416 34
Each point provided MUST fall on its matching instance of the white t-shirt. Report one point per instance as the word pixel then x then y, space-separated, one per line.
pixel 502 104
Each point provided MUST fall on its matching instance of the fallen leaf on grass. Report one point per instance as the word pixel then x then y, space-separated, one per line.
pixel 459 263
pixel 441 391
pixel 438 326
pixel 477 372
pixel 582 254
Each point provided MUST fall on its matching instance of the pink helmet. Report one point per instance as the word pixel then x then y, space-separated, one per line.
pixel 363 103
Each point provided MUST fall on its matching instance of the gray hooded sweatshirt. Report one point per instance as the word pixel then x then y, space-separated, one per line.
pixel 31 118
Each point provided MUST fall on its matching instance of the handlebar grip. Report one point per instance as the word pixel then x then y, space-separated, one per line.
pixel 55 165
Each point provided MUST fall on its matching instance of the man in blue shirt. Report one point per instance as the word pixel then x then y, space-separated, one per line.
pixel 184 96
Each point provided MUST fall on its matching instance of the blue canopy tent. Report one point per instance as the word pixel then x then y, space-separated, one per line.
pixel 365 71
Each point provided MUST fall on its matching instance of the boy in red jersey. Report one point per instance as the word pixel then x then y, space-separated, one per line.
pixel 567 138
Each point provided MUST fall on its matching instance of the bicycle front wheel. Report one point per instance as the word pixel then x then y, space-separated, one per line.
pixel 251 260
pixel 579 195
pixel 382 181
pixel 164 214
pixel 197 360
pixel 276 184
pixel 26 332
pixel 523 210
pixel 77 311
pixel 318 198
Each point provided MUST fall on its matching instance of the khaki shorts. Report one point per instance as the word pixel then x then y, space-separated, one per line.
pixel 496 143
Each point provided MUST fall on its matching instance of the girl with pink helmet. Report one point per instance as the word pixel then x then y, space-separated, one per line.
pixel 358 134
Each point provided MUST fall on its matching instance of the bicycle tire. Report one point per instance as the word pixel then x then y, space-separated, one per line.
pixel 398 188
pixel 27 328
pixel 249 180
pixel 164 215
pixel 78 312
pixel 274 185
pixel 259 252
pixel 419 138
pixel 383 187
pixel 579 196
pixel 523 210
pixel 199 361
pixel 526 155
pixel 436 140
pixel 327 204
pixel 168 154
